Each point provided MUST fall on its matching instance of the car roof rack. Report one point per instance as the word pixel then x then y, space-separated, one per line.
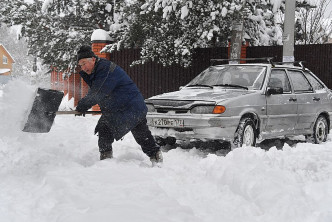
pixel 266 59
pixel 295 63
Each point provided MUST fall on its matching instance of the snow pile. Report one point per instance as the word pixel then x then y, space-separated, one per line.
pixel 16 99
pixel 100 34
pixel 67 104
pixel 57 177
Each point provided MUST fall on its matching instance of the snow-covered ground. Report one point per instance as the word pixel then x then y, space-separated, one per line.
pixel 57 177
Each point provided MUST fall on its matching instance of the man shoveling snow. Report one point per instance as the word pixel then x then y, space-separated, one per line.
pixel 121 103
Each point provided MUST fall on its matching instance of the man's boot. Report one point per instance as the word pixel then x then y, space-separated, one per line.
pixel 157 158
pixel 106 155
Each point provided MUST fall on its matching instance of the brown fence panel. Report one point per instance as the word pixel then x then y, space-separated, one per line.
pixel 153 78
pixel 318 58
pixel 265 51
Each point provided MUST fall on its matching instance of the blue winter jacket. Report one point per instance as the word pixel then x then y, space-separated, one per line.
pixel 118 97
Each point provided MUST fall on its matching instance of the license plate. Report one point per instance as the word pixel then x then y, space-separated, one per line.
pixel 168 122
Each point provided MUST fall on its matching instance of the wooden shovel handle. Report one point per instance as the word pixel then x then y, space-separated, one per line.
pixel 76 112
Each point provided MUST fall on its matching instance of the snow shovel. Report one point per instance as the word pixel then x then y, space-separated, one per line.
pixel 44 109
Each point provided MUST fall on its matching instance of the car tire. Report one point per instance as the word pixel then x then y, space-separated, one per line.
pixel 161 141
pixel 245 133
pixel 320 131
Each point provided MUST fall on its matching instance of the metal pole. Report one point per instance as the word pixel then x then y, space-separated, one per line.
pixel 288 36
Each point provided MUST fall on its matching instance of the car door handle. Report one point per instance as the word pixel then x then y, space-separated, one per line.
pixel 292 99
pixel 316 99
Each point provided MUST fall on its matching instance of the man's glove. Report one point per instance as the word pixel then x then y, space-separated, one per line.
pixel 80 114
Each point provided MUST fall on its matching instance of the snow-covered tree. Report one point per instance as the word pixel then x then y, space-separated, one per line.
pixel 168 31
pixel 312 25
pixel 18 48
pixel 55 29
pixel 23 67
pixel 261 25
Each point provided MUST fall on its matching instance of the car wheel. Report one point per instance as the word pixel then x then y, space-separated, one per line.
pixel 164 141
pixel 245 133
pixel 160 141
pixel 320 130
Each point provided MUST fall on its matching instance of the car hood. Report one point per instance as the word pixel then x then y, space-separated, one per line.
pixel 193 96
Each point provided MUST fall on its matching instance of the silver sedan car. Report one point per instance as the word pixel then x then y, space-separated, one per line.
pixel 244 104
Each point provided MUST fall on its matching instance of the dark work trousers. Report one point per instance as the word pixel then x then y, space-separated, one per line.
pixel 141 133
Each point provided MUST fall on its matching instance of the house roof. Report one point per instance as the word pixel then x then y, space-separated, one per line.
pixel 11 57
pixel 4 71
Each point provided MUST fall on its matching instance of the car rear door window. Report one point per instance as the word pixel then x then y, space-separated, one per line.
pixel 300 82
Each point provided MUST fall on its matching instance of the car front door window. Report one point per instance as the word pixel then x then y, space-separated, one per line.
pixel 279 79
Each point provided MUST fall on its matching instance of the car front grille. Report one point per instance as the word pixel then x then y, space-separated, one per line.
pixel 186 129
pixel 180 111
pixel 171 103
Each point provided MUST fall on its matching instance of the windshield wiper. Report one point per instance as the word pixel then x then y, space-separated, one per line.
pixel 232 85
pixel 200 85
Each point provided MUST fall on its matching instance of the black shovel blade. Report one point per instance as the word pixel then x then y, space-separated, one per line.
pixel 43 111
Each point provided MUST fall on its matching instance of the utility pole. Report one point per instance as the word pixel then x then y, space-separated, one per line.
pixel 288 36
pixel 237 32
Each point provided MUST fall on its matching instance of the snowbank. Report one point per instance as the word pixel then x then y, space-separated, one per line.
pixel 57 177
pixel 15 101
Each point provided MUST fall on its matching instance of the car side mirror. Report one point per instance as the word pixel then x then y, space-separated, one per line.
pixel 273 91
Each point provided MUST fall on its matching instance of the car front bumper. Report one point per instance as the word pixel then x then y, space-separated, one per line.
pixel 203 127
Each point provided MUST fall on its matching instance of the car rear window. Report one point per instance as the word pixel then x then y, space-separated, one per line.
pixel 313 81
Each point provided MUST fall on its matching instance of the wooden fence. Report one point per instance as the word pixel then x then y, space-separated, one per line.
pixel 318 58
pixel 153 78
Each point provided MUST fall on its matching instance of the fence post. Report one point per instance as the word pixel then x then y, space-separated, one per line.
pixel 77 88
pixel 53 77
pixel 71 86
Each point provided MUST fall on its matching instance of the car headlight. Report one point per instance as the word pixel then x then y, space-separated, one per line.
pixel 202 109
pixel 150 107
pixel 208 109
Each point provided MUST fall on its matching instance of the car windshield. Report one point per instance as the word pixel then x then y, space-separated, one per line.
pixel 249 77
